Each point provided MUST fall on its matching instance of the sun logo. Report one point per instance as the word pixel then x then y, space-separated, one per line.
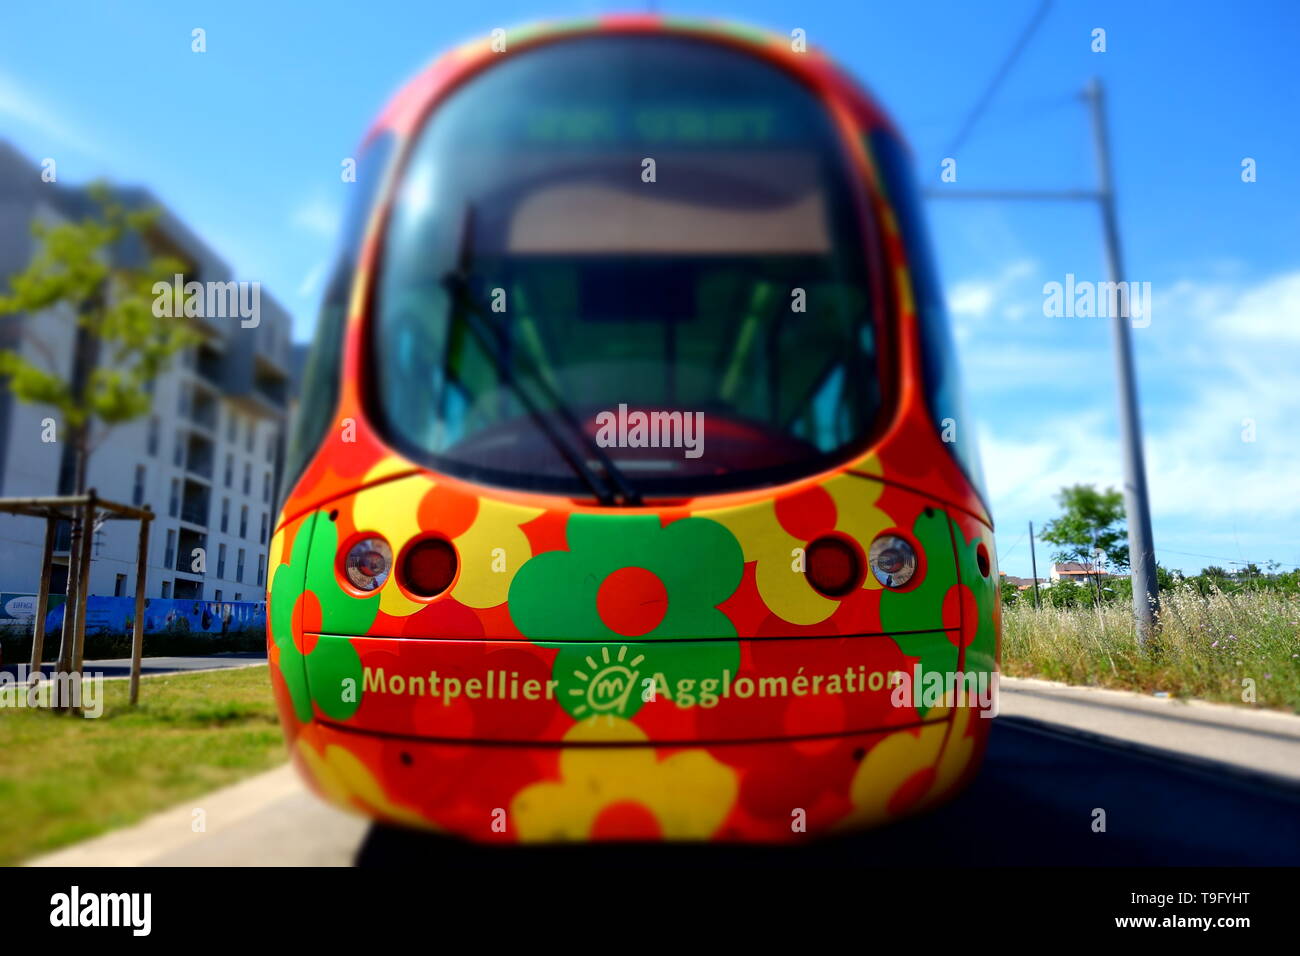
pixel 607 688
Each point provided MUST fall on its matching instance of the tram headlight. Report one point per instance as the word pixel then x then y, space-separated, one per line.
pixel 893 560
pixel 368 563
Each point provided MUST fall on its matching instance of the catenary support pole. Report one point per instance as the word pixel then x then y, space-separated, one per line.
pixel 1142 559
pixel 1033 563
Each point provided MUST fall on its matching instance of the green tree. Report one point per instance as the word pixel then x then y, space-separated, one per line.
pixel 1010 593
pixel 120 345
pixel 1068 594
pixel 1091 520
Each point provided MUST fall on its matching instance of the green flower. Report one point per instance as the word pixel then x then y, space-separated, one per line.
pixel 693 565
pixel 617 679
pixel 320 675
pixel 631 577
pixel 982 651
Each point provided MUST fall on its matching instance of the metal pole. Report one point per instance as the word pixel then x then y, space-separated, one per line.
pixel 1142 560
pixel 137 628
pixel 1033 562
pixel 42 599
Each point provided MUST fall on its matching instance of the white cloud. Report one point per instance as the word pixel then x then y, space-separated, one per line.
pixel 19 103
pixel 318 217
pixel 971 298
pixel 1227 353
pixel 311 281
pixel 1269 311
pixel 976 298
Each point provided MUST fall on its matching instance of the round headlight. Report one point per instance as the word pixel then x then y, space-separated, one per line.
pixel 368 563
pixel 893 560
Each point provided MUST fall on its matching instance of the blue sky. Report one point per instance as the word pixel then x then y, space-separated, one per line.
pixel 244 143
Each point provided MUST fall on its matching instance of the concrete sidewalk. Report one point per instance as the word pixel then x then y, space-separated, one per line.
pixel 267 820
pixel 272 820
pixel 1251 740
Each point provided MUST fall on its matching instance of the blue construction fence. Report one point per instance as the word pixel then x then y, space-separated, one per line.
pixel 116 615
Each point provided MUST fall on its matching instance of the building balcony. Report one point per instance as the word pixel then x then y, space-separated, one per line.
pixel 194 503
pixel 199 456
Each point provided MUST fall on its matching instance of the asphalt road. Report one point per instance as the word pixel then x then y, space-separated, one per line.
pixel 1032 805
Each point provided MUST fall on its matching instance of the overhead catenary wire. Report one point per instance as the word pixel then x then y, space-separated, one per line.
pixel 986 97
pixel 1219 557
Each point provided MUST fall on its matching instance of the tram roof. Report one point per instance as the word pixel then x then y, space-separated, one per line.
pixel 404 113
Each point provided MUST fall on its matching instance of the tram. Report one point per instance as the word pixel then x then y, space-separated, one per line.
pixel 630 495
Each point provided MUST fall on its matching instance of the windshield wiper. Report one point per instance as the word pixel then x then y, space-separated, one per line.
pixel 493 339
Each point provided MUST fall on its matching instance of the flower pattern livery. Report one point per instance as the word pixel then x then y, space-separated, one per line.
pixel 666 671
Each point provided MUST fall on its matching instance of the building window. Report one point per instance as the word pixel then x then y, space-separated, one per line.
pixel 183 402
pixel 270 447
pixel 153 437
pixel 230 469
pixel 243 521
pixel 266 488
pixel 169 556
pixel 167 589
pixel 248 477
pixel 238 596
pixel 251 437
pixel 119 586
pixel 261 570
pixel 137 491
pixel 221 560
pixel 218 596
pixel 232 428
pixel 178 453
pixel 174 502
pixel 239 567
pixel 266 520
pixel 225 515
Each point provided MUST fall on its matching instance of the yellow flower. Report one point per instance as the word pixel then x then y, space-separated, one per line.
pixel 494 535
pixel 902 756
pixel 390 509
pixel 689 794
pixel 785 590
pixel 346 782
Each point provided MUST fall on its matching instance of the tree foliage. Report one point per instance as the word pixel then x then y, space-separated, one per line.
pixel 1090 520
pixel 75 268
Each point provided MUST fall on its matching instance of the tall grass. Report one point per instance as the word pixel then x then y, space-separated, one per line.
pixel 1209 646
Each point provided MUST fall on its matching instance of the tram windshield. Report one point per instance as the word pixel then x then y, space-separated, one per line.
pixel 628 261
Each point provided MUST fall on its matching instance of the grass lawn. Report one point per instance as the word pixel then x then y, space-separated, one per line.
pixel 1209 646
pixel 63 778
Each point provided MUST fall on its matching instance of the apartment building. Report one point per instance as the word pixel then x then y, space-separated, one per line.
pixel 207 457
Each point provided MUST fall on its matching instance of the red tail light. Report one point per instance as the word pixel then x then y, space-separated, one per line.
pixel 429 567
pixel 833 566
